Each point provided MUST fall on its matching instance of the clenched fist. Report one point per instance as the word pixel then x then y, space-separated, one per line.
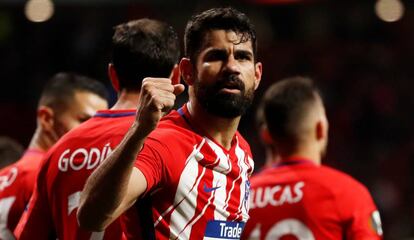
pixel 157 97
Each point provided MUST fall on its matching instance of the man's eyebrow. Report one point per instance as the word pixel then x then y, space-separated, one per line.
pixel 216 52
pixel 247 52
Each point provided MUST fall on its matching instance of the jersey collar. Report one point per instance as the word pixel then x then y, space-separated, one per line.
pixel 293 160
pixel 115 113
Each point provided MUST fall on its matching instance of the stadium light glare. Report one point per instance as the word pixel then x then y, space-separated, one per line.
pixel 39 10
pixel 389 10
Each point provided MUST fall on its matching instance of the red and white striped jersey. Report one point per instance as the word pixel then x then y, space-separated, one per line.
pixel 199 190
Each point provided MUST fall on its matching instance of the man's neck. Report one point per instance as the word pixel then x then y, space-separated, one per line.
pixel 41 141
pixel 126 100
pixel 222 130
pixel 309 152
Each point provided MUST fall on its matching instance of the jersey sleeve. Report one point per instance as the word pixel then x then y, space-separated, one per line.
pixel 36 220
pixel 151 162
pixel 360 213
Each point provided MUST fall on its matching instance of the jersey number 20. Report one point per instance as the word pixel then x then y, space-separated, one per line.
pixel 5 205
pixel 289 226
pixel 73 203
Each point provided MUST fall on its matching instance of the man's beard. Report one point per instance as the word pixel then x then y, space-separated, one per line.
pixel 224 104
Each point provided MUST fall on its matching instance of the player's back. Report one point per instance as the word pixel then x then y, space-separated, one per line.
pixel 72 161
pixel 302 200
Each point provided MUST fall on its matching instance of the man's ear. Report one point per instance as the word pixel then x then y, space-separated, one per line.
pixel 186 69
pixel 258 69
pixel 113 76
pixel 320 130
pixel 45 117
pixel 265 136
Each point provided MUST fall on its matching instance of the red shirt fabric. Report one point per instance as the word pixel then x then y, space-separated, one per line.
pixel 52 209
pixel 16 186
pixel 302 200
pixel 199 190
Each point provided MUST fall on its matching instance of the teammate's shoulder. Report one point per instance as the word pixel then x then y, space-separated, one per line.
pixel 338 174
pixel 7 168
pixel 29 161
pixel 263 177
pixel 96 127
pixel 345 182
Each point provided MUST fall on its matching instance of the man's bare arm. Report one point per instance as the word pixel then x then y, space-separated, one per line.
pixel 115 185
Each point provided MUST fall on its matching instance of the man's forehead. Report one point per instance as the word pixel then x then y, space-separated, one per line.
pixel 218 38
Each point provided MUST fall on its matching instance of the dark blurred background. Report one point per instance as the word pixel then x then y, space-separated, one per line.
pixel 359 52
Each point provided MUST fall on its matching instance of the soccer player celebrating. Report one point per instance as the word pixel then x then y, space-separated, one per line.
pixel 194 164
pixel 296 196
pixel 141 48
pixel 67 100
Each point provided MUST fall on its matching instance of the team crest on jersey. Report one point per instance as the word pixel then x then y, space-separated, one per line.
pixel 375 222
pixel 223 230
pixel 246 195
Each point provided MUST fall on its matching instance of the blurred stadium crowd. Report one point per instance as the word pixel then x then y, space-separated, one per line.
pixel 362 64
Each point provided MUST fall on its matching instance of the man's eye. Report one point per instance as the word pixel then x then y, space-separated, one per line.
pixel 215 56
pixel 243 56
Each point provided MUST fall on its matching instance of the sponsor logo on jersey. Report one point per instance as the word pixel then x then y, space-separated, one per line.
pixel 223 230
pixel 246 195
pixel 208 190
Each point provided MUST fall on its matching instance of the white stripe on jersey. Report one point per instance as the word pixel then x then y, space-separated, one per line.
pixel 195 154
pixel 73 201
pixel 186 197
pixel 245 171
pixel 185 200
pixel 185 233
pixel 220 179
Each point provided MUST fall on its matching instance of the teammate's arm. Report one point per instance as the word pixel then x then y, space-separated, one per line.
pixel 363 219
pixel 116 184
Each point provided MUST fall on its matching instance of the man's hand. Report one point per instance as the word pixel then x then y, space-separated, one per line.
pixel 157 98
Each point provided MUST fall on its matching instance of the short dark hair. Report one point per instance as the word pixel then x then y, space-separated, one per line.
pixel 285 105
pixel 10 151
pixel 228 19
pixel 143 48
pixel 60 89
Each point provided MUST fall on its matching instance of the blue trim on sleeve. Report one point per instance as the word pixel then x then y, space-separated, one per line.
pixel 114 115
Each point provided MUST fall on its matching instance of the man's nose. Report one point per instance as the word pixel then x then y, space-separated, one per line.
pixel 232 65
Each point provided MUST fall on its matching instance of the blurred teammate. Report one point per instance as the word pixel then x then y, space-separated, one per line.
pixel 140 48
pixel 194 165
pixel 10 151
pixel 296 197
pixel 67 100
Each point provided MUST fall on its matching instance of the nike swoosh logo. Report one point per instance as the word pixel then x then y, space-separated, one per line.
pixel 208 190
